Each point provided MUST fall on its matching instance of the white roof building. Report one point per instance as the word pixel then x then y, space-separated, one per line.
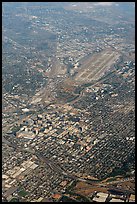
pixel 116 200
pixel 100 197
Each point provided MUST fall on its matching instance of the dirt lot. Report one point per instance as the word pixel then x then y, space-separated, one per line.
pixel 87 189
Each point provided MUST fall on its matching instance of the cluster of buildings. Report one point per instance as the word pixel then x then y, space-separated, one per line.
pixel 92 138
pixel 111 197
pixel 72 138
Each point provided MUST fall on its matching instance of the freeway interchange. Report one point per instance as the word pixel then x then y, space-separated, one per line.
pixel 56 168
pixel 45 160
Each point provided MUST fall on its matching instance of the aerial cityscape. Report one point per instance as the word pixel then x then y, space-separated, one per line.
pixel 68 102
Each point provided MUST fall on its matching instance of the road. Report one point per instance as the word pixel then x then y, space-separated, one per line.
pixel 55 167
pixel 45 160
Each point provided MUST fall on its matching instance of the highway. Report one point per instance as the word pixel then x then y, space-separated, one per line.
pixel 59 170
pixel 45 160
pixel 56 168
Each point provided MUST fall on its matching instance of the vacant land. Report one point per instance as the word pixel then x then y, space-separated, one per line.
pixel 87 189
